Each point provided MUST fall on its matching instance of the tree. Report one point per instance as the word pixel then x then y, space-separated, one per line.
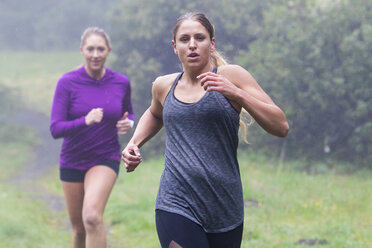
pixel 311 56
pixel 142 38
pixel 314 60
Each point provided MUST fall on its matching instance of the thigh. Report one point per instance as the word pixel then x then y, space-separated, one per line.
pixel 98 183
pixel 74 196
pixel 176 231
pixel 231 239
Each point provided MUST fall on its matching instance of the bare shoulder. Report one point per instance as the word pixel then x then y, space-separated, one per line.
pixel 234 71
pixel 244 80
pixel 165 81
pixel 238 76
pixel 162 85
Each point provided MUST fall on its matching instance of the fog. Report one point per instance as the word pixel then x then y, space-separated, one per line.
pixel 43 25
pixel 310 56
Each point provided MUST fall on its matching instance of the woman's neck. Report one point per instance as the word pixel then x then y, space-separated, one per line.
pixel 97 75
pixel 190 74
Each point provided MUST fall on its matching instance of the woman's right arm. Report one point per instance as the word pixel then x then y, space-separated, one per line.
pixel 60 126
pixel 148 126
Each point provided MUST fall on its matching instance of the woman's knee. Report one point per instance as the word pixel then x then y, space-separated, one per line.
pixel 92 219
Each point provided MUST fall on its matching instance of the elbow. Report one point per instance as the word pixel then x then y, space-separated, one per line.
pixel 54 133
pixel 279 131
pixel 283 131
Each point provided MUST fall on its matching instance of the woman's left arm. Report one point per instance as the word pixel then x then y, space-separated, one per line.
pixel 127 121
pixel 238 85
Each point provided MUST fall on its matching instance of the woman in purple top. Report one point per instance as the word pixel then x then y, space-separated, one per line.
pixel 91 107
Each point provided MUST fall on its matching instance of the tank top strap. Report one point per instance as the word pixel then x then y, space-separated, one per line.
pixel 175 82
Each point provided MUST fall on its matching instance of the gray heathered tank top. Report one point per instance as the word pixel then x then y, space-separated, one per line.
pixel 201 179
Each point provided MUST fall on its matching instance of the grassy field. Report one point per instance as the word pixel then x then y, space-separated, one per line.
pixel 34 75
pixel 25 221
pixel 283 208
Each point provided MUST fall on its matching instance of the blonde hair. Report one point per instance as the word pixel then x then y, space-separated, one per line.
pixel 216 57
pixel 97 31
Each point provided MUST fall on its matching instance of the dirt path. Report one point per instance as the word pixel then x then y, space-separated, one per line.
pixel 45 157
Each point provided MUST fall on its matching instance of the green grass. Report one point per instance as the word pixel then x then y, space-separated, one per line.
pixel 131 211
pixel 295 206
pixel 34 75
pixel 25 221
pixel 281 208
pixel 290 206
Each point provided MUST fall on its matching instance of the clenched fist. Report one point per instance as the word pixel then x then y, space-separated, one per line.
pixel 94 116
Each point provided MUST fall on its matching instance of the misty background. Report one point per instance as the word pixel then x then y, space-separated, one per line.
pixel 312 57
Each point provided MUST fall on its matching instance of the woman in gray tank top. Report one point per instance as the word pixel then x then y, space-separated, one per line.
pixel 200 199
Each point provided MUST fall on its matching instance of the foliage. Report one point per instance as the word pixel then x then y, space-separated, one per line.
pixel 282 205
pixel 142 40
pixel 314 60
pixel 312 57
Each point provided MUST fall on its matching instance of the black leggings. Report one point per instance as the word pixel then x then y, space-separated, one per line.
pixel 176 231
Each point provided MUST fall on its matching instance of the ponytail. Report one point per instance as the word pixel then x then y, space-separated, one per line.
pixel 217 59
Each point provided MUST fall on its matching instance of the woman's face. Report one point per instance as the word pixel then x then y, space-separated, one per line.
pixel 192 44
pixel 95 52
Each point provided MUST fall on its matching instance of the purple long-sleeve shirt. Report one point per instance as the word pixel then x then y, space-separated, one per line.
pixel 76 94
